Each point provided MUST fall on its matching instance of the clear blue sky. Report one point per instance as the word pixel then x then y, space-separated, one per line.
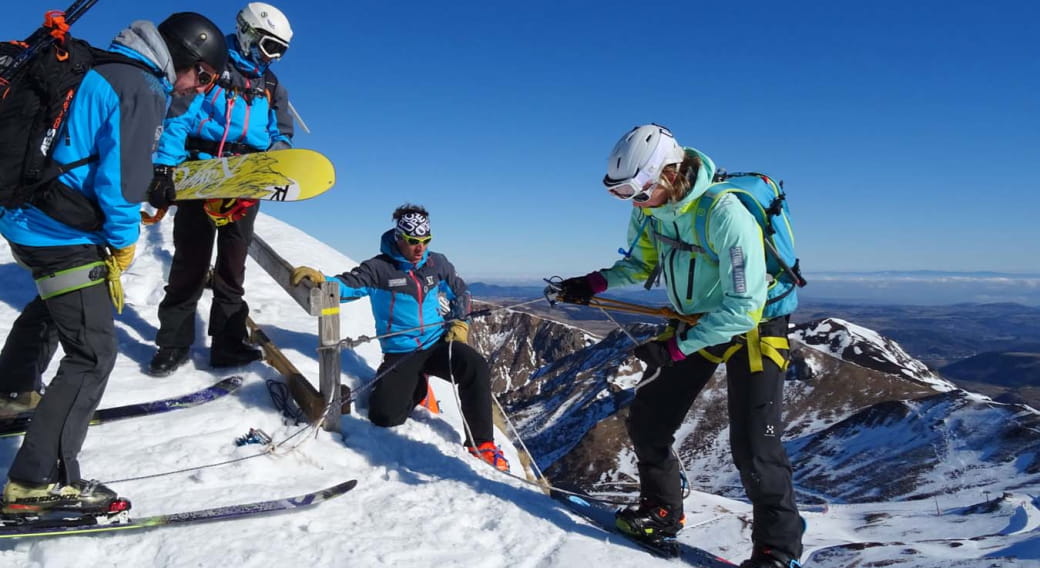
pixel 908 133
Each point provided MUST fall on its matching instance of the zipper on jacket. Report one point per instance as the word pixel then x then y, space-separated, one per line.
pixel 419 295
pixel 689 281
pixel 670 277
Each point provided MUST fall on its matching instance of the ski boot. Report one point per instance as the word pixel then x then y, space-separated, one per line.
pixel 166 361
pixel 764 557
pixel 653 523
pixel 89 502
pixel 490 453
pixel 13 404
pixel 233 354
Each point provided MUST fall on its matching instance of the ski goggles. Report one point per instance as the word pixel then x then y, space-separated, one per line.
pixel 414 240
pixel 268 46
pixel 271 47
pixel 638 188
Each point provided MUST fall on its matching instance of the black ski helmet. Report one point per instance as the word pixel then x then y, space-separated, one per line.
pixel 192 37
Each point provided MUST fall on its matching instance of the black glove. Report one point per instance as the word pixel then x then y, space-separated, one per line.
pixel 161 192
pixel 576 290
pixel 654 354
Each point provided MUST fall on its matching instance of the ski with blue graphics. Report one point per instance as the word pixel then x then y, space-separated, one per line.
pixel 16 425
pixel 90 524
pixel 602 515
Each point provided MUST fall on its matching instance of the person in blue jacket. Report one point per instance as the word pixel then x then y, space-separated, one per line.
pixel 406 284
pixel 664 182
pixel 247 111
pixel 117 114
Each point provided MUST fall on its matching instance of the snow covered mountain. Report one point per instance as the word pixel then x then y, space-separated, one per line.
pixel 423 501
pixel 867 423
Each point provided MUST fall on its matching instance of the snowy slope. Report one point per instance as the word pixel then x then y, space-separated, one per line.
pixel 421 500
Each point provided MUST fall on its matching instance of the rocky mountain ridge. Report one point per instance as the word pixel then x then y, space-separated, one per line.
pixel 855 402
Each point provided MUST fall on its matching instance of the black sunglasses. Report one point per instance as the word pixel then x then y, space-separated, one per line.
pixel 205 78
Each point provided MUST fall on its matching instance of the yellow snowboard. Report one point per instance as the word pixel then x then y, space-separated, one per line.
pixel 279 175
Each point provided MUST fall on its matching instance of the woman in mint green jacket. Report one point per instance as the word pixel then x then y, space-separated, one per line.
pixel 665 183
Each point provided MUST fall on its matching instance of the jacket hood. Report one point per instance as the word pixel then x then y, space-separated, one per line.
pixel 144 40
pixel 388 246
pixel 705 175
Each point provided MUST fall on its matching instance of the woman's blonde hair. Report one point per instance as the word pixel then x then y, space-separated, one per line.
pixel 683 180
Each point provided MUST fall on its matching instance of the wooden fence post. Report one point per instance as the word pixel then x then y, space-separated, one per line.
pixel 329 356
pixel 321 300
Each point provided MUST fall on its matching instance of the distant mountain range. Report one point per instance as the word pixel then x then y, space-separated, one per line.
pixel 917 287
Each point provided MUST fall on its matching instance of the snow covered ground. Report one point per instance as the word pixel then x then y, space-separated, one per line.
pixel 421 499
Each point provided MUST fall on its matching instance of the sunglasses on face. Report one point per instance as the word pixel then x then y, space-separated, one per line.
pixel 204 78
pixel 414 241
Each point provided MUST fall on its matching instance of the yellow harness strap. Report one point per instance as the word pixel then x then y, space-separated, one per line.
pixel 758 347
pixel 754 351
pixel 771 347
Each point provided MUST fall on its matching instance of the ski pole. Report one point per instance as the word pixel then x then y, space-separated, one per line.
pixel 296 115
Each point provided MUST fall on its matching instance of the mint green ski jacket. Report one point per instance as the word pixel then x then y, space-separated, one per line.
pixel 730 294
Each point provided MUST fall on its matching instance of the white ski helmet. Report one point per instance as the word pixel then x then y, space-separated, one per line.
pixel 263 27
pixel 639 157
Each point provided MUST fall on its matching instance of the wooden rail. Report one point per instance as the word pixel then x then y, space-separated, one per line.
pixel 321 300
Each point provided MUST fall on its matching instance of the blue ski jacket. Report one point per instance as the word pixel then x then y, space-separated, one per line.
pixel 247 106
pixel 406 296
pixel 731 293
pixel 117 115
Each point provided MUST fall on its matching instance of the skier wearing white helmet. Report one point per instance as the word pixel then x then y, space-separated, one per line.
pixel 246 111
pixel 665 183
pixel 263 31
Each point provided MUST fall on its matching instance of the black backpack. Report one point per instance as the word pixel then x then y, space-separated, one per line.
pixel 33 109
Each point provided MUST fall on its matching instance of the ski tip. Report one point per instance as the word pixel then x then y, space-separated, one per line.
pixel 235 380
pixel 340 488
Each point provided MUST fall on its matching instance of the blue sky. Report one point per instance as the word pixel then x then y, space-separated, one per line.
pixel 907 133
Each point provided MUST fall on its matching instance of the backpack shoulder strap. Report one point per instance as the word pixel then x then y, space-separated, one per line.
pixel 706 203
pixel 270 80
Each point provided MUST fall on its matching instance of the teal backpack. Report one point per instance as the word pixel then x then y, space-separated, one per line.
pixel 767 202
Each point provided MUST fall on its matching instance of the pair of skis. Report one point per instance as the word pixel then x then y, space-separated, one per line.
pixel 21 527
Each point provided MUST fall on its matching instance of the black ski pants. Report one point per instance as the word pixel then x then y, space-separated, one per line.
pixel 402 385
pixel 754 402
pixel 82 322
pixel 193 236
